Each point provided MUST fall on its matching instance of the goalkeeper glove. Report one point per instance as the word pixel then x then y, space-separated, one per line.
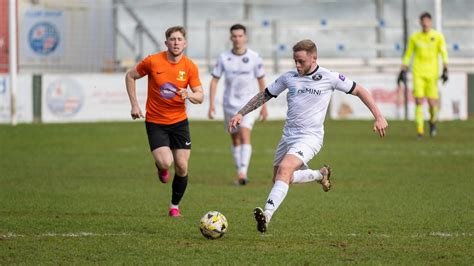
pixel 444 76
pixel 402 77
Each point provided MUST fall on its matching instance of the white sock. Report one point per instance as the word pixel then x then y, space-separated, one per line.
pixel 276 197
pixel 304 176
pixel 236 151
pixel 245 154
pixel 172 206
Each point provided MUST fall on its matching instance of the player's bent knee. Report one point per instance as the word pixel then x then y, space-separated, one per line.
pixel 181 169
pixel 163 164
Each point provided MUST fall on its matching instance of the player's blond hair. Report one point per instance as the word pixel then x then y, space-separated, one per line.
pixel 171 30
pixel 305 45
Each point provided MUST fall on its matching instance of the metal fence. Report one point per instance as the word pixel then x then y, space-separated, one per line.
pixel 112 35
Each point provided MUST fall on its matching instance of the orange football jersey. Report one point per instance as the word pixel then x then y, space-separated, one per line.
pixel 164 105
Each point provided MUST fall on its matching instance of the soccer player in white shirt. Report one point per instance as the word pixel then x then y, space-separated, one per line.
pixel 309 92
pixel 243 69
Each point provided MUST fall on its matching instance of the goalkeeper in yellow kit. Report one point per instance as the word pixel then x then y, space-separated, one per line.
pixel 427 45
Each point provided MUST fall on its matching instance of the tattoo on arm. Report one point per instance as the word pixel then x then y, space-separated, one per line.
pixel 257 101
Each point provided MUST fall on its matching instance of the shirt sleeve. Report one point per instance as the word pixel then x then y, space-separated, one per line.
pixel 218 68
pixel 442 49
pixel 143 68
pixel 259 70
pixel 409 51
pixel 278 86
pixel 194 80
pixel 341 83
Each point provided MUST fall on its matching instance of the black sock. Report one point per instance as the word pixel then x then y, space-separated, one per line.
pixel 178 188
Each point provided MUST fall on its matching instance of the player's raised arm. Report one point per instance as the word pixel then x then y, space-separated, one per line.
pixel 380 123
pixel 130 78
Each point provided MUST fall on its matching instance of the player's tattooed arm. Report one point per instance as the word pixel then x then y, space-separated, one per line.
pixel 257 101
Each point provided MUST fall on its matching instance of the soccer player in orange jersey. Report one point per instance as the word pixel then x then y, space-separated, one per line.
pixel 169 74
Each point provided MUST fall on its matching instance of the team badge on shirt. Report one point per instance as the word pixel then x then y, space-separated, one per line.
pixel 317 77
pixel 181 76
pixel 245 59
pixel 342 77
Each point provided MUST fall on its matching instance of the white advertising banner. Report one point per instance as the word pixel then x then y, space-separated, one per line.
pixel 103 97
pixel 87 97
pixel 390 99
pixel 24 99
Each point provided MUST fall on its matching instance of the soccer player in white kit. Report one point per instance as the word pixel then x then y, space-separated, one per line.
pixel 243 69
pixel 309 91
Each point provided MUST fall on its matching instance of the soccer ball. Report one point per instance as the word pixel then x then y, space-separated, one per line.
pixel 213 225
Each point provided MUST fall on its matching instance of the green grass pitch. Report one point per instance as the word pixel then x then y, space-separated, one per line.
pixel 88 194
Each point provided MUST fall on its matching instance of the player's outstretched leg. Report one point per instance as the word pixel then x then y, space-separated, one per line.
pixel 321 176
pixel 261 219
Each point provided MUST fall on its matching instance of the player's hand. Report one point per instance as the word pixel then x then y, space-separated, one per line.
pixel 264 113
pixel 212 112
pixel 136 112
pixel 402 77
pixel 234 122
pixel 185 94
pixel 380 125
pixel 444 76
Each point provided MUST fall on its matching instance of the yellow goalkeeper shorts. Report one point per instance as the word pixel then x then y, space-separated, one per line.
pixel 425 87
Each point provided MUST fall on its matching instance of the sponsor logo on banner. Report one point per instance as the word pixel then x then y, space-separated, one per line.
pixel 64 97
pixel 43 38
pixel 42 33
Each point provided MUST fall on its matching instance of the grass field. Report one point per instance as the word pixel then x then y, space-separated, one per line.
pixel 88 193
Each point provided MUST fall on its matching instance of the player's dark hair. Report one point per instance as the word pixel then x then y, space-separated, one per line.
pixel 305 45
pixel 238 27
pixel 425 15
pixel 171 30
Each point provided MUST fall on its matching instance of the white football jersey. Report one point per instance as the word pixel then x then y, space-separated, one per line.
pixel 308 99
pixel 241 73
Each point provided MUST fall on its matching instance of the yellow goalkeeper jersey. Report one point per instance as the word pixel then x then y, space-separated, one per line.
pixel 427 47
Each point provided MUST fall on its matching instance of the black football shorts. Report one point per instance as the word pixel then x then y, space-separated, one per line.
pixel 175 136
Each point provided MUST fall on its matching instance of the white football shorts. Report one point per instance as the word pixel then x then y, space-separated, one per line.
pixel 304 147
pixel 247 121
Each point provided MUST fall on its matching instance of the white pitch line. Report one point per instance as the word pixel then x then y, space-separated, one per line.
pixel 11 235
pixel 79 234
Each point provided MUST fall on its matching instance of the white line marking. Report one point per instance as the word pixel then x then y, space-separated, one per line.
pixel 11 235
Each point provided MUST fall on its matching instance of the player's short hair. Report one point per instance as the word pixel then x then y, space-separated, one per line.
pixel 171 30
pixel 425 15
pixel 305 45
pixel 238 27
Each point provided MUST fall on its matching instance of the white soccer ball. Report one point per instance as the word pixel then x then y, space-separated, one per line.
pixel 213 225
